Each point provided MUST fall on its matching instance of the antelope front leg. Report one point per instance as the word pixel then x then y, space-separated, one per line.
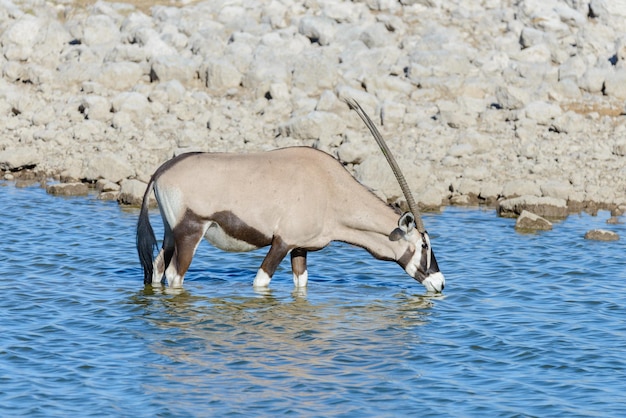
pixel 272 260
pixel 298 267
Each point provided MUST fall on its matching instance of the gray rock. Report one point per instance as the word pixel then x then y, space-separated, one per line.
pixel 104 185
pixel 547 207
pixel 601 235
pixel 528 221
pixel 132 191
pixel 68 189
pixel 109 195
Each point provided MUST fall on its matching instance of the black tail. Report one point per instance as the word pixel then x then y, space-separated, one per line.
pixel 146 241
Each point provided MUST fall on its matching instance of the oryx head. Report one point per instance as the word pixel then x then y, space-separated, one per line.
pixel 418 260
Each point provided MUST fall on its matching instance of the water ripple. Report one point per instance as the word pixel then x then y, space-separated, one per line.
pixel 530 325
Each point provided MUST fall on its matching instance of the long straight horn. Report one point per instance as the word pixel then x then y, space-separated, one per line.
pixel 354 105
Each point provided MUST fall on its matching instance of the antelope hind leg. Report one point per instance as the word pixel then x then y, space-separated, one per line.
pixel 164 258
pixel 158 269
pixel 298 267
pixel 186 237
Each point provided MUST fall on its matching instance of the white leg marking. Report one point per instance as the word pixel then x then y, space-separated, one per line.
pixel 173 278
pixel 301 280
pixel 262 279
pixel 157 268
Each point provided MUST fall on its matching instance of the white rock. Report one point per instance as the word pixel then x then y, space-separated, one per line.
pixel 531 37
pixel 557 188
pixel 375 36
pixel 352 153
pixel 318 29
pixel 222 74
pixel 173 92
pixel 96 107
pixel 16 158
pixel 460 150
pixel 512 97
pixel 173 67
pixel 313 72
pixel 607 8
pixel 120 76
pixel 620 147
pixel 313 126
pixel 542 112
pixel 132 191
pixel 592 79
pixel 20 37
pixel 151 42
pixel 490 191
pixel 133 104
pixel 108 166
pixel 100 29
pixel 521 188
pixel 615 84
pixel 573 68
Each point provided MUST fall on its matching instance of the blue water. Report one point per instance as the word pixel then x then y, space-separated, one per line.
pixel 529 325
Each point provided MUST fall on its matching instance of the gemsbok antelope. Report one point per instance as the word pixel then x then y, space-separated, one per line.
pixel 295 200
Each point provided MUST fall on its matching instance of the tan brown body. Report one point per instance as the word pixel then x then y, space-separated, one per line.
pixel 294 199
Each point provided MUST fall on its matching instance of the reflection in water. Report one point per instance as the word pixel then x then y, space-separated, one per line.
pixel 261 342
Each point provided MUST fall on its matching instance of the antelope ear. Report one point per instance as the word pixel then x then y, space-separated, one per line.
pixel 406 224
pixel 396 235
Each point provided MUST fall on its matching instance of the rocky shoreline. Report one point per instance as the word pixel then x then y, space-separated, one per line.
pixel 481 103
